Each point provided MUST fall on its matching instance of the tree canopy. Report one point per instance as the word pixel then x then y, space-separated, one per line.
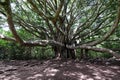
pixel 68 24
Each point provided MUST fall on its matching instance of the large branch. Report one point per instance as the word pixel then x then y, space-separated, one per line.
pixel 7 8
pixel 103 50
pixel 33 43
pixel 42 43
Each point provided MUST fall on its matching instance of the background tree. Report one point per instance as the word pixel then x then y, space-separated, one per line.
pixel 65 25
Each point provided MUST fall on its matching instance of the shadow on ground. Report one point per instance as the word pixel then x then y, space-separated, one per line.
pixel 57 70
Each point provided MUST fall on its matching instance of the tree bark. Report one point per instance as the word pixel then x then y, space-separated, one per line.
pixel 64 53
pixel 84 54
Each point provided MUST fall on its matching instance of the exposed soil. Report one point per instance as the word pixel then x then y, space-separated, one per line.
pixel 58 70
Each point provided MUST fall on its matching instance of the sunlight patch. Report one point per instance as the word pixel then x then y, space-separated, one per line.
pixel 50 71
pixel 35 76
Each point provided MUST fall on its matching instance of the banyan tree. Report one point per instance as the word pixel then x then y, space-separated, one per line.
pixel 65 25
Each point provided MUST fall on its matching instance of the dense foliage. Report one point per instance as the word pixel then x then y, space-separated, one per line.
pixel 62 28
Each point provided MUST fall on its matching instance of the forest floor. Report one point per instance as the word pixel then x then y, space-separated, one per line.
pixel 59 70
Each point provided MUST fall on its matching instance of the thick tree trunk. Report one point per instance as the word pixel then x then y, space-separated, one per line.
pixel 64 53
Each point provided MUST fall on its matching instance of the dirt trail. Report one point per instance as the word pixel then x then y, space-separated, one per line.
pixel 57 70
